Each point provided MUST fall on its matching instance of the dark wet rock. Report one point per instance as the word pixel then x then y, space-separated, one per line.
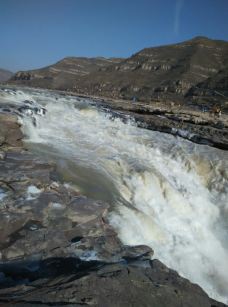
pixel 99 284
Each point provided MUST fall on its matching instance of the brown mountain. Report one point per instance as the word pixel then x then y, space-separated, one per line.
pixel 63 74
pixel 192 70
pixel 5 75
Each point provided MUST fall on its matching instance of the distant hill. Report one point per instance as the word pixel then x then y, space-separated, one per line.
pixel 63 74
pixel 5 75
pixel 191 70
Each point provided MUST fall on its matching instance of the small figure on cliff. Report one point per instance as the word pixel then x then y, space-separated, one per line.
pixel 134 99
pixel 216 110
pixel 205 109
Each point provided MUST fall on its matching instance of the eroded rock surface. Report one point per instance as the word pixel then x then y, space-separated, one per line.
pixel 191 124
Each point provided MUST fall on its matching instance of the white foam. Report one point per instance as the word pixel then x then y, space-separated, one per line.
pixel 89 256
pixel 33 192
pixel 57 206
pixel 2 195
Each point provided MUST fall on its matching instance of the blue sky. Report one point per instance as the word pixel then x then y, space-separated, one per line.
pixel 36 33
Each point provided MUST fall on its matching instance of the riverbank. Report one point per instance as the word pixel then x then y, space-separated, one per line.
pixel 57 246
pixel 188 122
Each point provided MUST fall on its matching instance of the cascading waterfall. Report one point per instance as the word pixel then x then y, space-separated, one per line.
pixel 164 191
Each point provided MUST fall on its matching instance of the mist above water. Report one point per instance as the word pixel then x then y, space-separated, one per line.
pixel 164 191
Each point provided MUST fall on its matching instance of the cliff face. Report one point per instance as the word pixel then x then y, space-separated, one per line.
pixel 5 75
pixel 173 72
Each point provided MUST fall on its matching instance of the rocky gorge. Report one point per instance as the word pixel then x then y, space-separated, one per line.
pixel 59 247
pixel 179 89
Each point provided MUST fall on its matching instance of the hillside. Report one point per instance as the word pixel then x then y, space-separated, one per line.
pixel 161 73
pixel 63 74
pixel 192 70
pixel 5 75
pixel 213 88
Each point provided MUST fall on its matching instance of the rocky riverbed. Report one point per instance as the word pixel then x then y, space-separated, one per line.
pixel 58 248
pixel 197 124
pixel 189 122
pixel 192 122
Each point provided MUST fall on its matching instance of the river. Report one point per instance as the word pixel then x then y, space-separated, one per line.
pixel 163 191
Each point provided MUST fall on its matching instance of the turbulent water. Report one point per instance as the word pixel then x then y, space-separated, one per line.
pixel 164 192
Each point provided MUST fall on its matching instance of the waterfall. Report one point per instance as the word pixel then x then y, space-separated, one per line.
pixel 165 192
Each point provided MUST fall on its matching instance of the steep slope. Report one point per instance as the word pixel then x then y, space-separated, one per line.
pixel 212 90
pixel 5 75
